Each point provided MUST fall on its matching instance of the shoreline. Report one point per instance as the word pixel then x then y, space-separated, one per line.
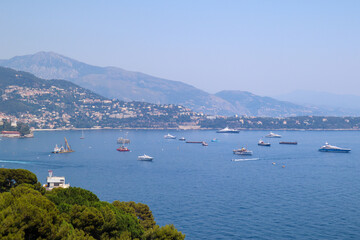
pixel 201 129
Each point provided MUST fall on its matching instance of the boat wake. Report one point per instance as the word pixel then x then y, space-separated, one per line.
pixel 15 161
pixel 245 159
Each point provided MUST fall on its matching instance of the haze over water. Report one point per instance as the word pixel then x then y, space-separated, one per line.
pixel 201 190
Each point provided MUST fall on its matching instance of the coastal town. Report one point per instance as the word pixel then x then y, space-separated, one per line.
pixel 58 104
pixel 54 107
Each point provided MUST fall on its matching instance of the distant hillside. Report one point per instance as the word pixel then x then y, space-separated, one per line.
pixel 249 104
pixel 118 83
pixel 59 103
pixel 345 103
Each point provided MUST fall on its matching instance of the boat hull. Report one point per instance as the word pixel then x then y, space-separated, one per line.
pixel 145 159
pixel 231 131
pixel 335 150
pixel 264 144
pixel 68 151
pixel 123 150
pixel 243 153
pixel 289 143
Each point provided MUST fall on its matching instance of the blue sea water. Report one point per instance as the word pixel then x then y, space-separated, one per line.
pixel 307 194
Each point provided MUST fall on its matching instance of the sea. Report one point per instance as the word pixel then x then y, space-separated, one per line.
pixel 207 192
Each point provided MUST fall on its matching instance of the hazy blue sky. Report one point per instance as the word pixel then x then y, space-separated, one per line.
pixel 266 47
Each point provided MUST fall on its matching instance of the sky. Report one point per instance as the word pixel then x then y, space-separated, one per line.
pixel 265 47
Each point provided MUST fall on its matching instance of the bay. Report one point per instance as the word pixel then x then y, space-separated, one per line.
pixel 306 194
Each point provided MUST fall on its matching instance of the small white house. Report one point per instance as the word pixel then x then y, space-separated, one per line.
pixel 55 182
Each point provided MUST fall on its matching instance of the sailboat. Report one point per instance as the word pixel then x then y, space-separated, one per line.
pixel 82 134
pixel 66 149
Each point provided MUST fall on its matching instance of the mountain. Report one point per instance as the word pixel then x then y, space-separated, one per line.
pixel 322 99
pixel 117 83
pixel 250 104
pixel 121 84
pixel 60 103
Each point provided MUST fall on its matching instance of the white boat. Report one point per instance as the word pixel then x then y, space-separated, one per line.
pixel 329 148
pixel 182 139
pixel 122 140
pixel 169 136
pixel 262 143
pixel 273 135
pixel 56 149
pixel 145 158
pixel 242 151
pixel 228 130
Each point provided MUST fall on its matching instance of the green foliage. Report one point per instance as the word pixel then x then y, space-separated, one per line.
pixel 27 214
pixel 21 127
pixel 140 210
pixel 88 219
pixel 71 196
pixel 168 232
pixel 10 178
pixel 73 213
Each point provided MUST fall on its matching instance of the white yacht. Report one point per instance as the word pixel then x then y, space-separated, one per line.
pixel 273 135
pixel 228 130
pixel 169 136
pixel 329 148
pixel 145 158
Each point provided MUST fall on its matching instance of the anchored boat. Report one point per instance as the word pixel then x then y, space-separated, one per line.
pixel 121 140
pixel 329 148
pixel 145 158
pixel 291 143
pixel 123 149
pixel 262 143
pixel 273 135
pixel 169 136
pixel 242 151
pixel 62 149
pixel 228 130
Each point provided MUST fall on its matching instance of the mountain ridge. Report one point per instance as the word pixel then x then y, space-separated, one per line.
pixel 117 83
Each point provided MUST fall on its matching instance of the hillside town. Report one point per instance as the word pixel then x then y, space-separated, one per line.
pixel 55 107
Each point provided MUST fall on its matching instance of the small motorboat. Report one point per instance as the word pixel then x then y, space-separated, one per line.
pixel 122 140
pixel 169 136
pixel 145 158
pixel 214 140
pixel 182 139
pixel 290 143
pixel 123 149
pixel 242 151
pixel 262 143
pixel 204 144
pixel 273 135
pixel 329 148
